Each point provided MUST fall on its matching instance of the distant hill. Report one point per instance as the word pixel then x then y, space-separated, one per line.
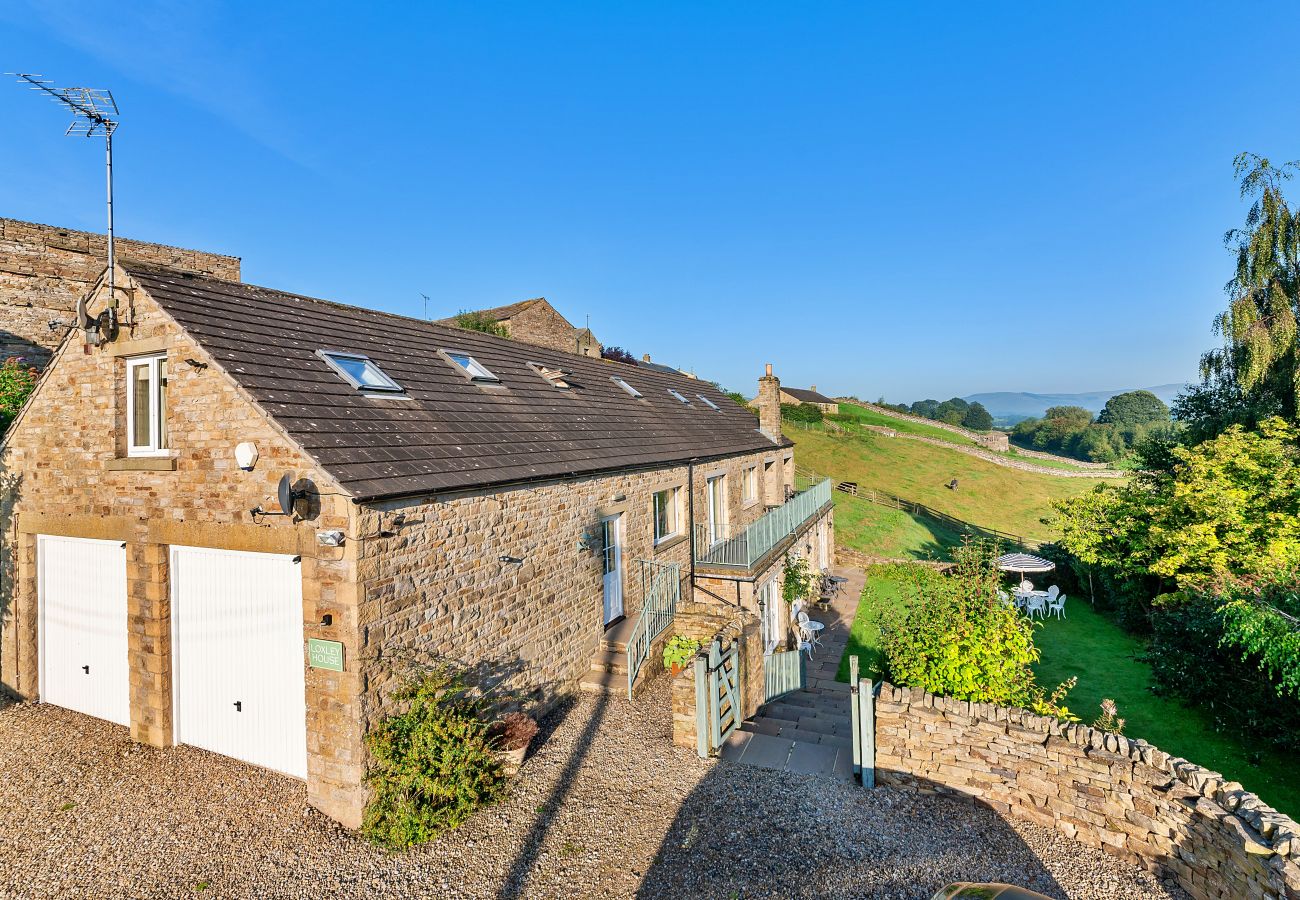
pixel 1009 407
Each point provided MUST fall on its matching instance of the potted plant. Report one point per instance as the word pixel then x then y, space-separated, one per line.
pixel 512 734
pixel 678 652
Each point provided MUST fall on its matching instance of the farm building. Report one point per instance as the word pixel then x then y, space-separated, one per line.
pixel 228 519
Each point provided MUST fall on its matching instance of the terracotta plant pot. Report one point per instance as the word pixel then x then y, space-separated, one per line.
pixel 677 669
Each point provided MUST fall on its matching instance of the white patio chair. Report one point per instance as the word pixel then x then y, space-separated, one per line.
pixel 1035 605
pixel 1052 593
pixel 1026 585
pixel 1056 606
pixel 806 634
pixel 1004 597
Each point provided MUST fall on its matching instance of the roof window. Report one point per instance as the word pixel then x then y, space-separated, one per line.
pixel 471 367
pixel 359 371
pixel 707 402
pixel 679 396
pixel 556 376
pixel 625 386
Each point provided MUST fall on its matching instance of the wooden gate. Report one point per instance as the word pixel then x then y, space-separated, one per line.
pixel 783 673
pixel 862 713
pixel 717 696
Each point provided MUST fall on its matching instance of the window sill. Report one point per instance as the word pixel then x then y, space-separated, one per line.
pixel 141 464
pixel 669 542
pixel 746 504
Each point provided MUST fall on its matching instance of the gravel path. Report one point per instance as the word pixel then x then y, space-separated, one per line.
pixel 606 808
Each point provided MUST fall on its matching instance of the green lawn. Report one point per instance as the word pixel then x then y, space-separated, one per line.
pixel 892 533
pixel 1106 661
pixel 871 417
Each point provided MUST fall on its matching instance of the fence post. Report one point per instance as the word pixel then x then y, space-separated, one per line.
pixel 853 715
pixel 701 707
pixel 867 697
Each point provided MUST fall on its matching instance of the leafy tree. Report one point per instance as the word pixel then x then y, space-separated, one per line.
pixel 951 411
pixel 977 418
pixel 1258 360
pixel 480 321
pixel 618 354
pixel 808 413
pixel 17 381
pixel 926 409
pixel 1071 415
pixel 1134 408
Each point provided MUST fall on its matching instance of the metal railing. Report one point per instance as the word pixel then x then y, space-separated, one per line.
pixel 661 588
pixel 718 547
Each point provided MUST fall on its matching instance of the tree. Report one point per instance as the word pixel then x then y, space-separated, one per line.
pixel 618 354
pixel 925 408
pixel 1133 408
pixel 1259 353
pixel 951 411
pixel 1069 415
pixel 17 381
pixel 480 321
pixel 977 418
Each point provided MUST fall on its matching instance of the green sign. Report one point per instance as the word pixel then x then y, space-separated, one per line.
pixel 325 654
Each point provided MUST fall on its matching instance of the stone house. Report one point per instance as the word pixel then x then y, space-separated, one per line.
pixel 799 395
pixel 539 323
pixel 234 522
pixel 45 270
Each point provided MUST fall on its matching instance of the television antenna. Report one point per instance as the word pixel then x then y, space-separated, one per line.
pixel 94 112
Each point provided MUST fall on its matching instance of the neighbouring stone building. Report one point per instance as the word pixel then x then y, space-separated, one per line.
pixel 234 523
pixel 799 395
pixel 537 322
pixel 44 270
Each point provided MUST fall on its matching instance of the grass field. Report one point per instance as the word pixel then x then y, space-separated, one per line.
pixel 871 417
pixel 1106 660
pixel 987 495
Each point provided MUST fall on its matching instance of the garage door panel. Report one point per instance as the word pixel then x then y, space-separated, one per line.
pixel 84 664
pixel 238 656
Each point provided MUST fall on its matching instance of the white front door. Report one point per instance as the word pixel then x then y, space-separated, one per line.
pixel 717 499
pixel 611 531
pixel 237 645
pixel 81 589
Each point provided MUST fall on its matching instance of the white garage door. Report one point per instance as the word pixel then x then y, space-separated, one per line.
pixel 237 644
pixel 81 585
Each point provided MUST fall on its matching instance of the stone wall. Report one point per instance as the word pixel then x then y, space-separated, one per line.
pixel 66 475
pixel 541 324
pixel 45 270
pixel 438 588
pixel 706 624
pixel 1103 790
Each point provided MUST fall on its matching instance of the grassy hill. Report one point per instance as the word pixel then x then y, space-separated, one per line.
pixel 987 495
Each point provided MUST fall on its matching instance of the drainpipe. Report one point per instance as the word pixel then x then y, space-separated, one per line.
pixel 690 513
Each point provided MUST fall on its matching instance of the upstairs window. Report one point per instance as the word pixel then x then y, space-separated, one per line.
pixel 146 406
pixel 707 402
pixel 625 386
pixel 679 396
pixel 554 375
pixel 667 509
pixel 471 367
pixel 360 372
pixel 749 484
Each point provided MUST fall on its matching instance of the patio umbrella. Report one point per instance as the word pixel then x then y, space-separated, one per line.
pixel 1024 563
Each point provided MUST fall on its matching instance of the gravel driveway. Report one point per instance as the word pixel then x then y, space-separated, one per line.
pixel 606 808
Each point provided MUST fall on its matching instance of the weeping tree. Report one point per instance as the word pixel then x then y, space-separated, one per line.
pixel 1257 369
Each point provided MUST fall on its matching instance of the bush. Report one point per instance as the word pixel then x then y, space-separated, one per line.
pixel 807 413
pixel 954 636
pixel 433 764
pixel 17 381
pixel 480 321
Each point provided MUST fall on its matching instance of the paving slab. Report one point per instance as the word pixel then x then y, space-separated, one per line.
pixel 812 759
pixel 733 748
pixel 766 751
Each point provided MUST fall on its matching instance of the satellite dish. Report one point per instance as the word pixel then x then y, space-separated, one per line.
pixel 286 494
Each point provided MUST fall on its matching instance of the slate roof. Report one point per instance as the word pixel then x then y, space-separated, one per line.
pixel 499 313
pixel 806 396
pixel 452 433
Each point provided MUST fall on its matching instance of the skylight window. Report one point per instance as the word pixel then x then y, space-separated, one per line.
pixel 470 366
pixel 556 376
pixel 625 386
pixel 707 402
pixel 679 396
pixel 360 371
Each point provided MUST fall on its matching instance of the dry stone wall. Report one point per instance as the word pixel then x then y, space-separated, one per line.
pixel 707 624
pixel 1103 790
pixel 45 270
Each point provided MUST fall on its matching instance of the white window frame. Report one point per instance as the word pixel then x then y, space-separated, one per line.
pixel 472 369
pixel 771 620
pixel 674 493
pixel 679 397
pixel 718 516
pixel 157 410
pixel 707 402
pixel 387 386
pixel 625 386
pixel 749 485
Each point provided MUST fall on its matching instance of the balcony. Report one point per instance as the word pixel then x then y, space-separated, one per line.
pixel 750 545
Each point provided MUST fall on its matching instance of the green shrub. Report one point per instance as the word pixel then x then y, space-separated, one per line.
pixel 798 580
pixel 679 650
pixel 480 321
pixel 17 381
pixel 433 764
pixel 807 413
pixel 952 635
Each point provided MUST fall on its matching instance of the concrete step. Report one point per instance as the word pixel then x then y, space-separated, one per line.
pixel 603 683
pixel 609 661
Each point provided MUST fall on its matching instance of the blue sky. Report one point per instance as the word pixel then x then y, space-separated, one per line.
pixel 900 200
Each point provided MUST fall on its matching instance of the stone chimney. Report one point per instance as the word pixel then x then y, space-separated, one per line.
pixel 645 357
pixel 813 388
pixel 769 405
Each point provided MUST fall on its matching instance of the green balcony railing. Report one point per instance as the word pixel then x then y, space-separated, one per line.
pixel 716 546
